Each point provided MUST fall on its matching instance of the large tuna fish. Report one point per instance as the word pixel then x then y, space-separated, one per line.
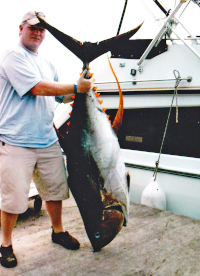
pixel 97 174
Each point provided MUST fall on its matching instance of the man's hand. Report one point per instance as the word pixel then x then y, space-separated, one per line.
pixel 84 85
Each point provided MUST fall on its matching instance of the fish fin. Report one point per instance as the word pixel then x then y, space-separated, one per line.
pixel 97 94
pixel 128 180
pixel 119 116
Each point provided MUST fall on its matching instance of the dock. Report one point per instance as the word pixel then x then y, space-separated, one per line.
pixel 155 242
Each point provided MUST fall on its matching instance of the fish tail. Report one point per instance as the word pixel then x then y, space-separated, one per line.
pixel 119 115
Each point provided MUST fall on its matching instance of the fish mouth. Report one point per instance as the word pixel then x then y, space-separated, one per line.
pixel 112 223
pixel 114 207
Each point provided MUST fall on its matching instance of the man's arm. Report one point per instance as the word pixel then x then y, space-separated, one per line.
pixel 48 88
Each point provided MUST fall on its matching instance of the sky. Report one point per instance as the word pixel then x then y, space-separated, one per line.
pixel 88 20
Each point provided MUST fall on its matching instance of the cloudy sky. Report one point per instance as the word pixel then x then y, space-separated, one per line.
pixel 88 20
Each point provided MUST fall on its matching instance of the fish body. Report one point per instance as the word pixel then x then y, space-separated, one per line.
pixel 97 174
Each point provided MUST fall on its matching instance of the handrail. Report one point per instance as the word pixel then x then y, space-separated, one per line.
pixel 163 31
pixel 160 33
pixel 188 79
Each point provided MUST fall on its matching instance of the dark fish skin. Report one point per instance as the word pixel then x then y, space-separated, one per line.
pixel 97 175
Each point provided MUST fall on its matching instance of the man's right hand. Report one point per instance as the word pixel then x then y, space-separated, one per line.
pixel 84 85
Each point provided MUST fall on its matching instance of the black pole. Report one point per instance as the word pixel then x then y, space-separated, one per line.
pixel 161 8
pixel 120 24
pixel 197 2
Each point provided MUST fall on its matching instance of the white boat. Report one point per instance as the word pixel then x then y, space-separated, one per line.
pixel 155 75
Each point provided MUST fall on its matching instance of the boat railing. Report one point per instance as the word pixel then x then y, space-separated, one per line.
pixel 188 79
pixel 166 29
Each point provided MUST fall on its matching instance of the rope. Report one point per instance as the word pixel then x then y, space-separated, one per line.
pixel 178 79
pixel 119 116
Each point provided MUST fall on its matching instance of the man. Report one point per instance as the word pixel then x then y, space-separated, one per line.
pixel 28 141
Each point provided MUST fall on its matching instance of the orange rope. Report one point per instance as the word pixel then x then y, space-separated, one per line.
pixel 119 116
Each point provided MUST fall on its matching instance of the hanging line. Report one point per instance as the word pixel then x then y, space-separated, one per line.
pixel 178 79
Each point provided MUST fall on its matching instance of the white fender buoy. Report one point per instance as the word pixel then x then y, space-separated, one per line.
pixel 154 196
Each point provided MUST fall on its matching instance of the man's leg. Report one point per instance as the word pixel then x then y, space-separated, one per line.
pixel 8 221
pixel 51 182
pixel 59 236
pixel 16 168
pixel 54 208
pixel 7 224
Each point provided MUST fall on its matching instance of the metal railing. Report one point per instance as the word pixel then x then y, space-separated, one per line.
pixel 168 26
pixel 188 79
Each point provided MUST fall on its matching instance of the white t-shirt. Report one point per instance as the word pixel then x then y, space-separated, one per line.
pixel 25 120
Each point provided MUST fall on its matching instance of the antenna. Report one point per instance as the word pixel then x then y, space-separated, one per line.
pixel 161 7
pixel 120 24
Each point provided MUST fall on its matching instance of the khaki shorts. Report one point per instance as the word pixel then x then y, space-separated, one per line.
pixel 19 165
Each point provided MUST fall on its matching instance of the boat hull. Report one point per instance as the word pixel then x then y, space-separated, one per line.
pixel 178 177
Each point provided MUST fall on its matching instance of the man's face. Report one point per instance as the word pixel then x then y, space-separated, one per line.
pixel 31 36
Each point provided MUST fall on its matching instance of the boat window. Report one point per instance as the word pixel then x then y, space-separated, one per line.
pixel 143 129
